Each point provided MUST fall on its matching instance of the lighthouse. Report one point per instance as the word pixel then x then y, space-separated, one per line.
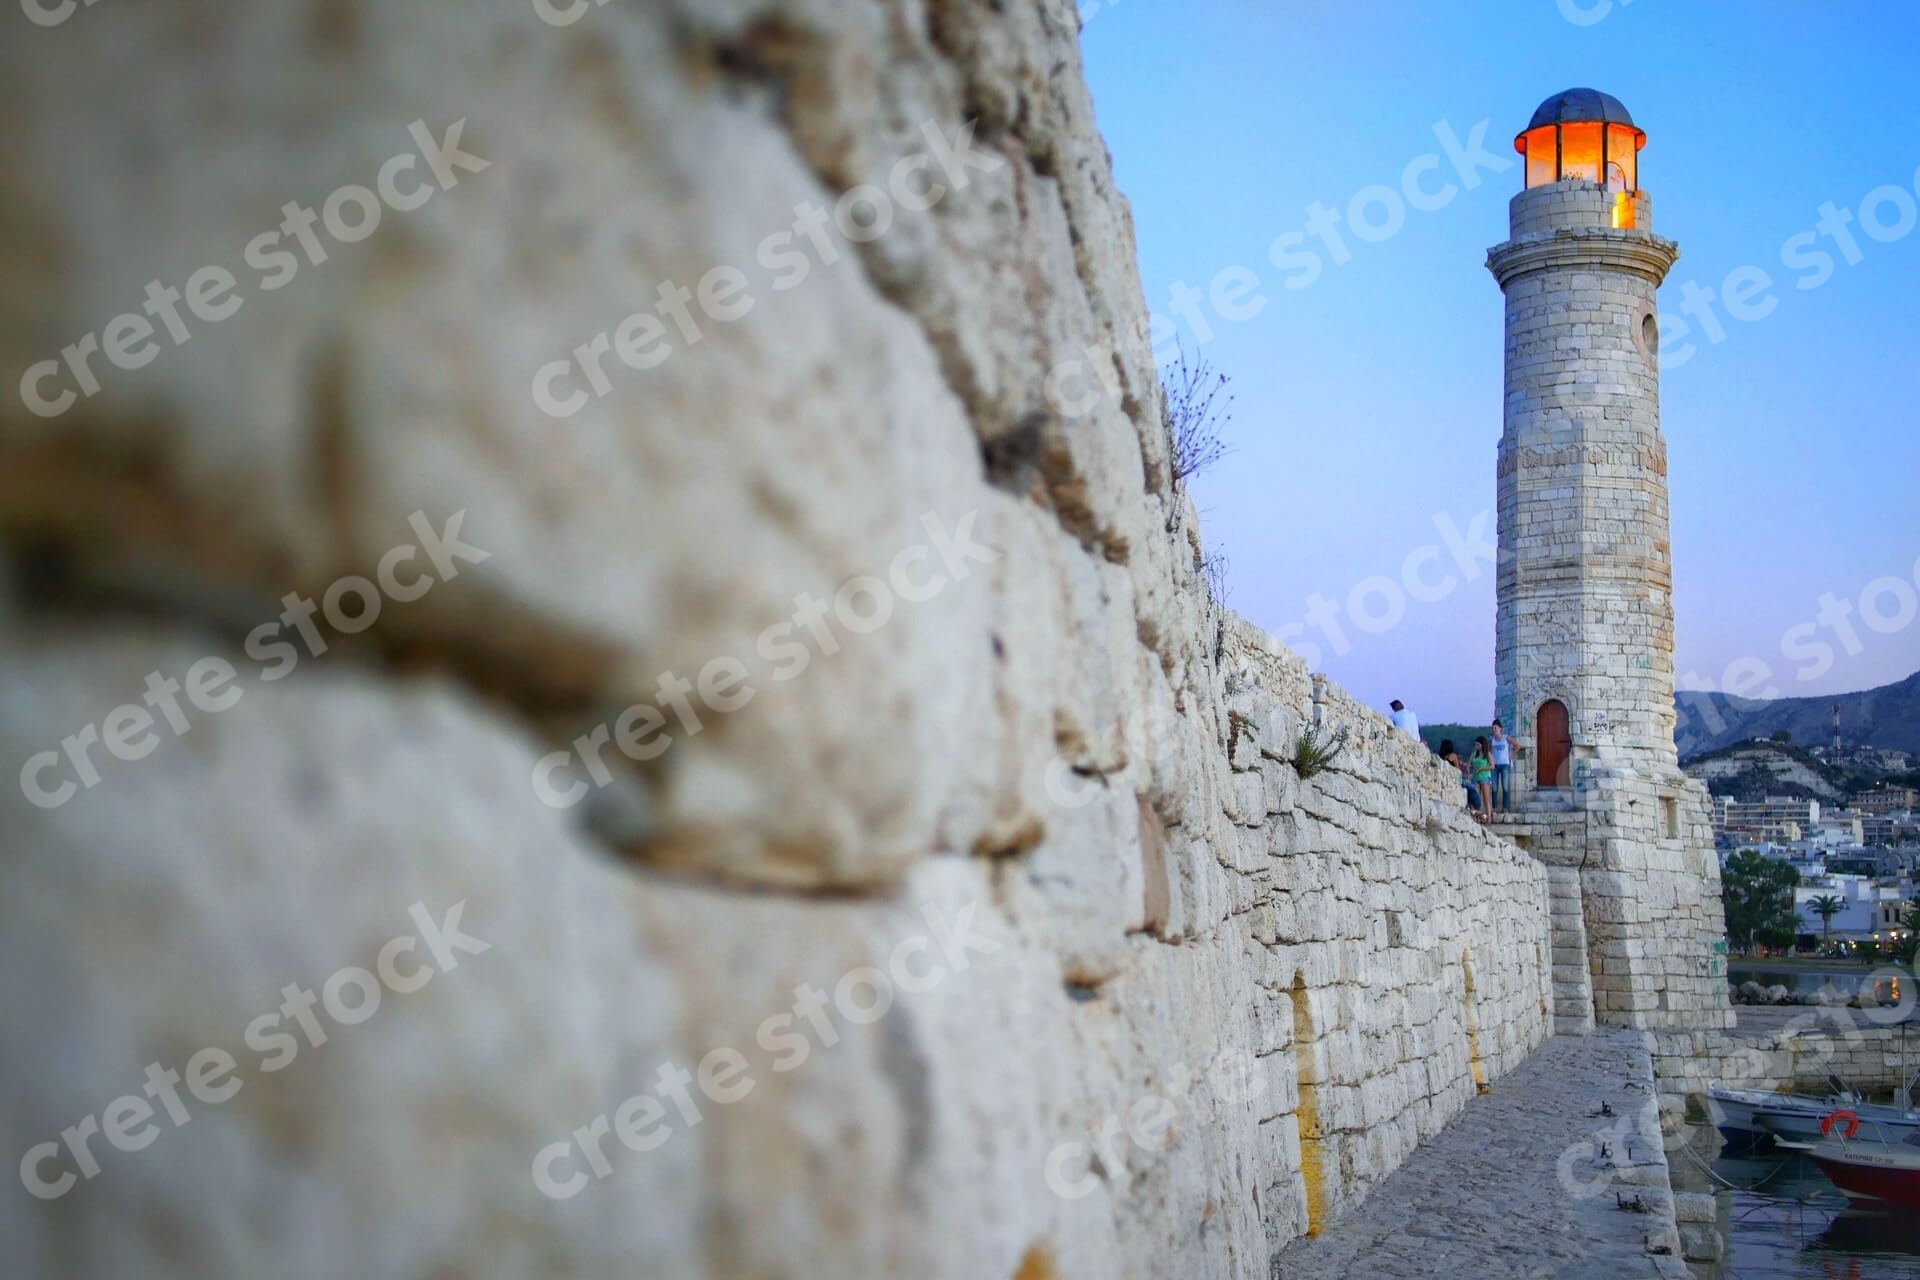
pixel 1584 624
pixel 1584 632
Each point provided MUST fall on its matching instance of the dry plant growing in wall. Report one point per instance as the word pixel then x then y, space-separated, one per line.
pixel 1198 408
pixel 1196 415
pixel 1314 753
pixel 1214 566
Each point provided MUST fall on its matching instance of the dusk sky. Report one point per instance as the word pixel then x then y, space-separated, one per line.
pixel 1369 398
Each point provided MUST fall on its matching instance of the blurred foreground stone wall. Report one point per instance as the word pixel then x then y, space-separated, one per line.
pixel 528 766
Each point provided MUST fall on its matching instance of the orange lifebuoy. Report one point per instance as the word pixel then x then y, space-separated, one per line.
pixel 1849 1124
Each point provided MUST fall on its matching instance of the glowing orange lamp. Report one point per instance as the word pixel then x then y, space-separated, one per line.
pixel 1585 134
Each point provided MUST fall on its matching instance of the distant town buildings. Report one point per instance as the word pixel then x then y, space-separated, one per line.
pixel 1882 818
pixel 1865 856
pixel 1776 820
pixel 1883 828
pixel 1877 759
pixel 1886 800
pixel 1837 830
pixel 1869 908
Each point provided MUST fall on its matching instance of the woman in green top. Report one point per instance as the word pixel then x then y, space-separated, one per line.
pixel 1480 772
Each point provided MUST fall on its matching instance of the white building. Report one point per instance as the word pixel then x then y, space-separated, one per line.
pixel 1870 909
pixel 1777 818
pixel 1835 831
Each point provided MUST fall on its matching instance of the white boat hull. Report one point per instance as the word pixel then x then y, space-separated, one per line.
pixel 1877 1123
pixel 1796 1117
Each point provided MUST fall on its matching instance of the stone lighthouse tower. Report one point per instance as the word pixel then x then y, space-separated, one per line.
pixel 1584 632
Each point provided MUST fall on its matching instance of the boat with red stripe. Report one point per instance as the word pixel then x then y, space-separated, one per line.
pixel 1864 1163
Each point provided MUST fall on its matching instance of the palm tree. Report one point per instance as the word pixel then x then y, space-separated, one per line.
pixel 1826 906
pixel 1909 949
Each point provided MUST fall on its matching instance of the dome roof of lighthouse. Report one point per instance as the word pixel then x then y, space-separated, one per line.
pixel 1573 105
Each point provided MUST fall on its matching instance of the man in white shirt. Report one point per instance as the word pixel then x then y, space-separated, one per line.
pixel 1404 720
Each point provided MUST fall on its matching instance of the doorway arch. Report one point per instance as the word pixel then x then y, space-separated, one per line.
pixel 1554 733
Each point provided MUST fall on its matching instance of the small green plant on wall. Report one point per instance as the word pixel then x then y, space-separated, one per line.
pixel 1313 753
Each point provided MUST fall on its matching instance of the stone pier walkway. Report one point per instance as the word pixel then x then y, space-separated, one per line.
pixel 1485 1199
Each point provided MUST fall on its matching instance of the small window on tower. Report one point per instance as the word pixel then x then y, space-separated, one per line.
pixel 1669 818
pixel 1649 335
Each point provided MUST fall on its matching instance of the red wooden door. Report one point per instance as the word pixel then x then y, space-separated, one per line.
pixel 1555 739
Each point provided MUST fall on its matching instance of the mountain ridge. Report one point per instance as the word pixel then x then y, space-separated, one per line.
pixel 1887 717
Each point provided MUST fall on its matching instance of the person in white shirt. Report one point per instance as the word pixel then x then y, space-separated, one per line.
pixel 1502 767
pixel 1404 720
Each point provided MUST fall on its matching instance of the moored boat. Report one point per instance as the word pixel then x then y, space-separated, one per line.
pixel 1737 1112
pixel 1882 1123
pixel 1755 1116
pixel 1884 1172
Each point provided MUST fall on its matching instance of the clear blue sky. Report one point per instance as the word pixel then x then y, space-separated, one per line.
pixel 1369 399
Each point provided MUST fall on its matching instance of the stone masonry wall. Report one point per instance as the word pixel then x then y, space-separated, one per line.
pixel 1029 836
pixel 1648 931
pixel 1655 926
pixel 1798 1056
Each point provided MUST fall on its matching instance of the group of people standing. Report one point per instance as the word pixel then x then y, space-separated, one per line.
pixel 1487 774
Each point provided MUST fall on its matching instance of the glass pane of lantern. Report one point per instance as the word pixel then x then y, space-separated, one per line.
pixel 1580 150
pixel 1622 156
pixel 1540 156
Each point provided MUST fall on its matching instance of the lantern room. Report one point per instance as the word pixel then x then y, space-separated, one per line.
pixel 1583 133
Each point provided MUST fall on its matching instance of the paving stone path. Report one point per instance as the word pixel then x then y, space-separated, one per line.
pixel 1485 1198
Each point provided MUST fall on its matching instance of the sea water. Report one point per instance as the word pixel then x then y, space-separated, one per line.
pixel 1782 1220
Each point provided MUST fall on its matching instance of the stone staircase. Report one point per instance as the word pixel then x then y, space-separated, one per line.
pixel 1556 838
pixel 1572 978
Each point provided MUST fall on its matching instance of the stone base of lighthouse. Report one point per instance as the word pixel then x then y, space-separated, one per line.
pixel 1638 934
